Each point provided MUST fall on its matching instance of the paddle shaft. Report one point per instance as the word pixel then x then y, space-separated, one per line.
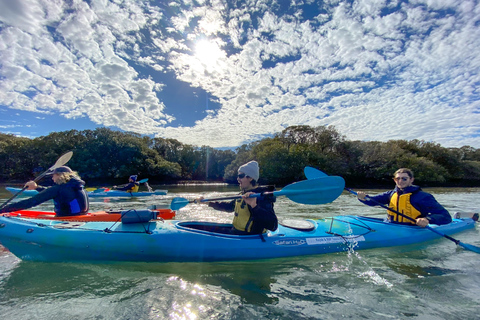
pixel 60 162
pixel 405 216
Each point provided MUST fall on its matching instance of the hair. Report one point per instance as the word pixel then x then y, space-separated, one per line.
pixel 404 170
pixel 64 177
pixel 253 182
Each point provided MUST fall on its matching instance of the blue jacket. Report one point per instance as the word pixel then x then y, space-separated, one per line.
pixel 422 201
pixel 69 199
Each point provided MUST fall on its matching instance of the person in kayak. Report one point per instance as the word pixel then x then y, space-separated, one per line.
pixel 68 194
pixel 252 215
pixel 132 185
pixel 410 200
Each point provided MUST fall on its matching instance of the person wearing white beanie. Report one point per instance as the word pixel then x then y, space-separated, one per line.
pixel 253 215
pixel 251 170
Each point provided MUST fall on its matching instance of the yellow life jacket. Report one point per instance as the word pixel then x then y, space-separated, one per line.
pixel 134 189
pixel 402 204
pixel 241 220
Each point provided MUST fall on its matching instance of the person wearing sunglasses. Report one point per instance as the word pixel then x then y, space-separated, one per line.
pixel 410 200
pixel 253 215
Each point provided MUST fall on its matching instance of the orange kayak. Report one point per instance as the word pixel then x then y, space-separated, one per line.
pixel 165 214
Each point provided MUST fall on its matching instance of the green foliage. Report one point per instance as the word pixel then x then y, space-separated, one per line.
pixel 106 154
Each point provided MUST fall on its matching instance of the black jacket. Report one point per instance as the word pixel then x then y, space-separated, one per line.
pixel 263 215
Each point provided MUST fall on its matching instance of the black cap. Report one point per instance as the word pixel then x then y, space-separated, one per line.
pixel 62 169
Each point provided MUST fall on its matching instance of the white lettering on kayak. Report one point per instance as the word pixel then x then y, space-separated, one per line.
pixel 329 240
pixel 289 242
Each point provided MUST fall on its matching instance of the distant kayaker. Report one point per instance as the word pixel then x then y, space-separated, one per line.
pixel 132 185
pixel 252 215
pixel 68 194
pixel 410 200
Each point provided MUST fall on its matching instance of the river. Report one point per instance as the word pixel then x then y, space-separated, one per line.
pixel 436 280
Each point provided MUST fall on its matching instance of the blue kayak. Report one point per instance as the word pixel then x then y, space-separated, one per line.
pixel 110 193
pixel 137 238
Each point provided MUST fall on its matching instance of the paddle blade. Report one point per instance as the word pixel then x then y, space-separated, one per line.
pixel 313 173
pixel 143 180
pixel 469 247
pixel 62 160
pixel 178 203
pixel 316 191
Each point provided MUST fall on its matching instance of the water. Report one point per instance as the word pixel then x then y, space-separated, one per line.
pixel 437 280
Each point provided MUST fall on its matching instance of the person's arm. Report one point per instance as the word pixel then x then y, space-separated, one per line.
pixel 433 211
pixel 45 195
pixel 126 187
pixel 223 206
pixel 264 215
pixel 383 198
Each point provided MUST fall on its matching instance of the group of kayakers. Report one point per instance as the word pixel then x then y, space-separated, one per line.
pixel 255 215
pixel 252 215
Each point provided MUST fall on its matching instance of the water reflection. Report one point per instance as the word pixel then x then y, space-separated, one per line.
pixel 439 277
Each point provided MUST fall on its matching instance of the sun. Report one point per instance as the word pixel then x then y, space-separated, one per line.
pixel 208 53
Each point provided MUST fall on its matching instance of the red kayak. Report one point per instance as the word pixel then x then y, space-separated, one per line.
pixel 165 214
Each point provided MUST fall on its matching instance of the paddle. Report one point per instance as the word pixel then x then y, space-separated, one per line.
pixel 313 173
pixel 317 191
pixel 458 242
pixel 60 162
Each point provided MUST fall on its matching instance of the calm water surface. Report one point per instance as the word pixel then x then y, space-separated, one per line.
pixel 437 280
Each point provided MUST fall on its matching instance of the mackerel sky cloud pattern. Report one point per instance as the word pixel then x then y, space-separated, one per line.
pixel 224 73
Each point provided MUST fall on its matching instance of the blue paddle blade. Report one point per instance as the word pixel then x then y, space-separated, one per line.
pixel 316 191
pixel 469 247
pixel 143 180
pixel 178 203
pixel 313 173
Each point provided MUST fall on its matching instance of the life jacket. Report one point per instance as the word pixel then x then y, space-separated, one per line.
pixel 402 204
pixel 78 205
pixel 134 188
pixel 242 220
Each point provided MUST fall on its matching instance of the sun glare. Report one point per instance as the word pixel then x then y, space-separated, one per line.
pixel 208 53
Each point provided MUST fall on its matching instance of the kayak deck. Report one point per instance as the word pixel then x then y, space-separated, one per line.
pixel 116 215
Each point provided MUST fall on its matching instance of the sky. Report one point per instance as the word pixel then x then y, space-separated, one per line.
pixel 224 73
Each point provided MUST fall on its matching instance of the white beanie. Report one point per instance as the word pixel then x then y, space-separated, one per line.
pixel 250 169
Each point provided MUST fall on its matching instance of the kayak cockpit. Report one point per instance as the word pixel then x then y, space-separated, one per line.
pixel 210 227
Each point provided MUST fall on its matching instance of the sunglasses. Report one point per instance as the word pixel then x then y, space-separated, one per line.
pixel 242 175
pixel 401 178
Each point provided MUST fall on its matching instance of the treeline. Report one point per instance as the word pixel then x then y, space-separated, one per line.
pixel 105 155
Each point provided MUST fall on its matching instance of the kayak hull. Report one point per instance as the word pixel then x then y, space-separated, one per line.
pixel 103 194
pixel 191 241
pixel 166 214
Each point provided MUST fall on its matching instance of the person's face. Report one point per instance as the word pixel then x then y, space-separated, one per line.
pixel 56 178
pixel 402 180
pixel 244 180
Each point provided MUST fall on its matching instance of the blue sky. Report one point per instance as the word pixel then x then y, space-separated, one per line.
pixel 225 73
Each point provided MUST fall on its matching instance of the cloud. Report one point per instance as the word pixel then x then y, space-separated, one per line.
pixel 376 70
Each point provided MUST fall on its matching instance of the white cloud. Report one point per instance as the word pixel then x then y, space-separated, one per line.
pixel 410 74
